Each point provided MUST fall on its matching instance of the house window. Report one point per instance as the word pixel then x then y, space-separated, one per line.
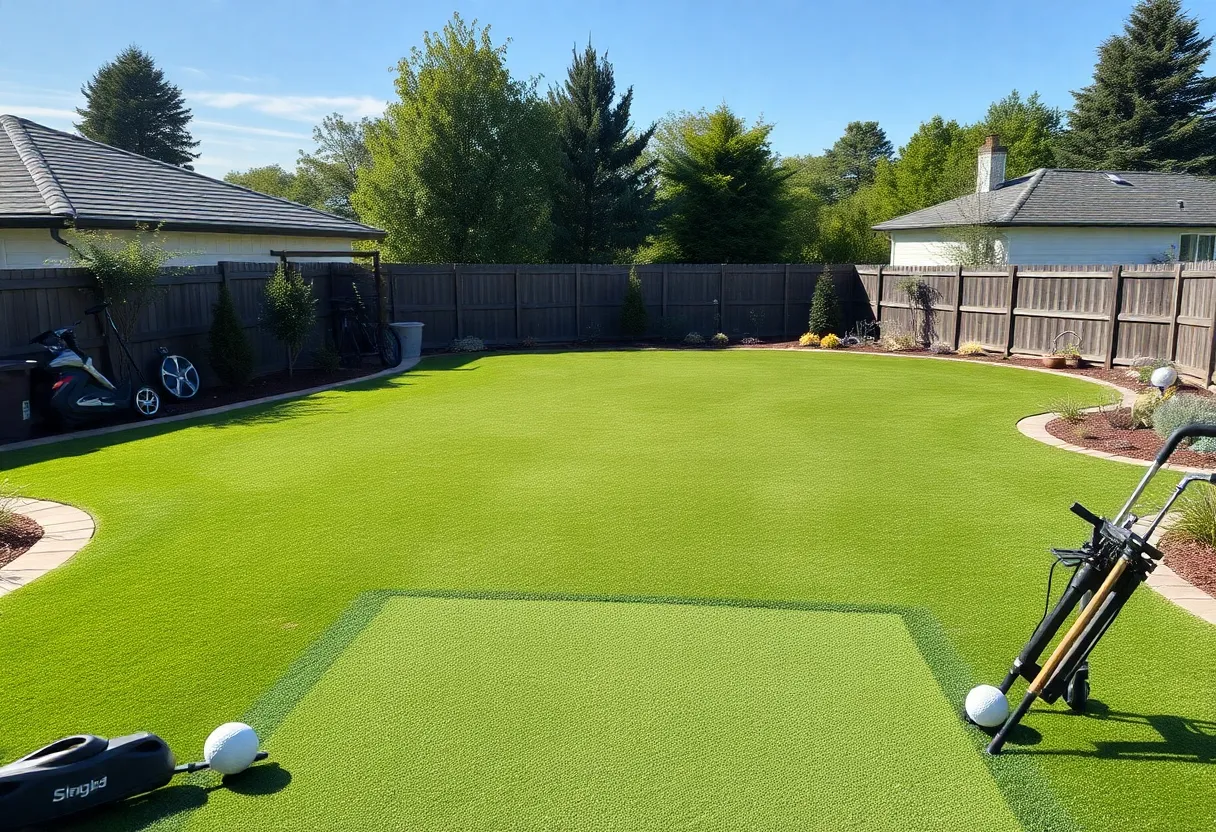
pixel 1197 247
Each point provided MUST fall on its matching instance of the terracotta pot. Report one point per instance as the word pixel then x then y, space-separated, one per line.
pixel 1053 362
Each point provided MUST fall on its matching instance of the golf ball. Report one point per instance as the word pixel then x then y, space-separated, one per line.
pixel 986 706
pixel 230 749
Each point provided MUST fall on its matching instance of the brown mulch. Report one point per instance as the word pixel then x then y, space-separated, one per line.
pixel 1194 561
pixel 1096 433
pixel 268 385
pixel 17 536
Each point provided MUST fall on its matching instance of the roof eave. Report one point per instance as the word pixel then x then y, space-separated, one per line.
pixel 117 223
pixel 1057 224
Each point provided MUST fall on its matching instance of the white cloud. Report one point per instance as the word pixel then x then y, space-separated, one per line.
pixel 308 108
pixel 195 71
pixel 255 131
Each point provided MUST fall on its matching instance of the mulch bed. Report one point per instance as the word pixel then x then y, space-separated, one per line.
pixel 268 385
pixel 1192 560
pixel 1096 433
pixel 17 536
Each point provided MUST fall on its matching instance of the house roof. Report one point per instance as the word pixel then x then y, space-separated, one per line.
pixel 49 178
pixel 1052 196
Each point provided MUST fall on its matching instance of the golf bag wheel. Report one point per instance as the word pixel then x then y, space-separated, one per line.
pixel 178 376
pixel 388 347
pixel 147 403
pixel 1077 695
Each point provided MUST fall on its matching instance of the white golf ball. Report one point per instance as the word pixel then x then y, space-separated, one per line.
pixel 1163 377
pixel 986 706
pixel 230 749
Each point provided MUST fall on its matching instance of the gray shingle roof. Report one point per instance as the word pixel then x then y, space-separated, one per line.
pixel 1051 196
pixel 48 177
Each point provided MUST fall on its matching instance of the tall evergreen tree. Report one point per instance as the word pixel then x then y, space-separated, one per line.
pixel 852 160
pixel 462 164
pixel 1150 107
pixel 724 196
pixel 604 197
pixel 130 105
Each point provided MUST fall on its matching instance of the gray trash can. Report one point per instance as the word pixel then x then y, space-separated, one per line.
pixel 409 333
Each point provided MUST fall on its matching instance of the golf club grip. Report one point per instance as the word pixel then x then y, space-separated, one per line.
pixel 1078 626
pixel 1184 432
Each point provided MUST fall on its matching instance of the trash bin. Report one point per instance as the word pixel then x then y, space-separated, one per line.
pixel 409 333
pixel 16 421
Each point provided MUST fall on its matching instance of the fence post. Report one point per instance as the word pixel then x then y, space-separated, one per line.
pixel 1176 306
pixel 785 303
pixel 721 297
pixel 578 301
pixel 666 324
pixel 223 270
pixel 459 313
pixel 518 334
pixel 1211 347
pixel 958 306
pixel 1013 301
pixel 878 297
pixel 1116 300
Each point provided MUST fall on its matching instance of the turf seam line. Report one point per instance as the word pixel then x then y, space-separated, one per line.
pixel 1018 777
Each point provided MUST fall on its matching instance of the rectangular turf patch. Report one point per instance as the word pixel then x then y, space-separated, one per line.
pixel 458 713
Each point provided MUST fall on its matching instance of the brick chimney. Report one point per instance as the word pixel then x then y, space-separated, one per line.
pixel 990 169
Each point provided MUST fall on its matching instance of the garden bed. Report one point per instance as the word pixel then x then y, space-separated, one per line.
pixel 17 536
pixel 1096 433
pixel 1191 559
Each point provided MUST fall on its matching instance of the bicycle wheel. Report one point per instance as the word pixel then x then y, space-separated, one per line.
pixel 389 346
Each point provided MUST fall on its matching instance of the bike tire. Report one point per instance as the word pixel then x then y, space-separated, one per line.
pixel 389 346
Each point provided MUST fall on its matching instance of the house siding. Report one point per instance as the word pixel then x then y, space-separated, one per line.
pixel 34 248
pixel 926 247
pixel 1025 246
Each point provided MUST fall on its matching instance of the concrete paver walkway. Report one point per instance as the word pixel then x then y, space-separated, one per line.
pixel 66 529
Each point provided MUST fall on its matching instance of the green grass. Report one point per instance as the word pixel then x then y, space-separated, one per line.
pixel 641 715
pixel 226 547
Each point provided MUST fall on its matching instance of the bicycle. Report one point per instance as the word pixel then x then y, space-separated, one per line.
pixel 359 336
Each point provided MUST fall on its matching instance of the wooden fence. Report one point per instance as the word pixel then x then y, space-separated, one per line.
pixel 508 303
pixel 1120 313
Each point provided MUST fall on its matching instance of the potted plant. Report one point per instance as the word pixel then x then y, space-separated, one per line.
pixel 1060 356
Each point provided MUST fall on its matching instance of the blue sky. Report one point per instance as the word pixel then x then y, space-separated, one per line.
pixel 258 75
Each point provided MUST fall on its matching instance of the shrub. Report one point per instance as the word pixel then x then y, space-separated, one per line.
pixel 899 342
pixel 469 343
pixel 1176 411
pixel 1069 408
pixel 825 307
pixel 1204 445
pixel 290 311
pixel 229 349
pixel 328 359
pixel 971 348
pixel 941 348
pixel 633 313
pixel 8 501
pixel 808 339
pixel 922 298
pixel 1196 515
pixel 829 341
pixel 694 338
pixel 1122 418
pixel 1143 408
pixel 1142 368
pixel 720 339
pixel 750 341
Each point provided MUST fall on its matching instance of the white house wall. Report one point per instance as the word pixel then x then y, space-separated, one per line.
pixel 926 247
pixel 34 248
pixel 1079 246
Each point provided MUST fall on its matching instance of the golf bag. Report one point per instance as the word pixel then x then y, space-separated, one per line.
pixel 80 772
pixel 1108 568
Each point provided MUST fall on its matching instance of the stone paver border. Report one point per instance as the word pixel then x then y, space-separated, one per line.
pixel 65 531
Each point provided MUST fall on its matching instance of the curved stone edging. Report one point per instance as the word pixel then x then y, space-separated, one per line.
pixel 406 364
pixel 65 531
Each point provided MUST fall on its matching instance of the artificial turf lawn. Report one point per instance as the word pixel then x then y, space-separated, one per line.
pixel 226 546
pixel 450 713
